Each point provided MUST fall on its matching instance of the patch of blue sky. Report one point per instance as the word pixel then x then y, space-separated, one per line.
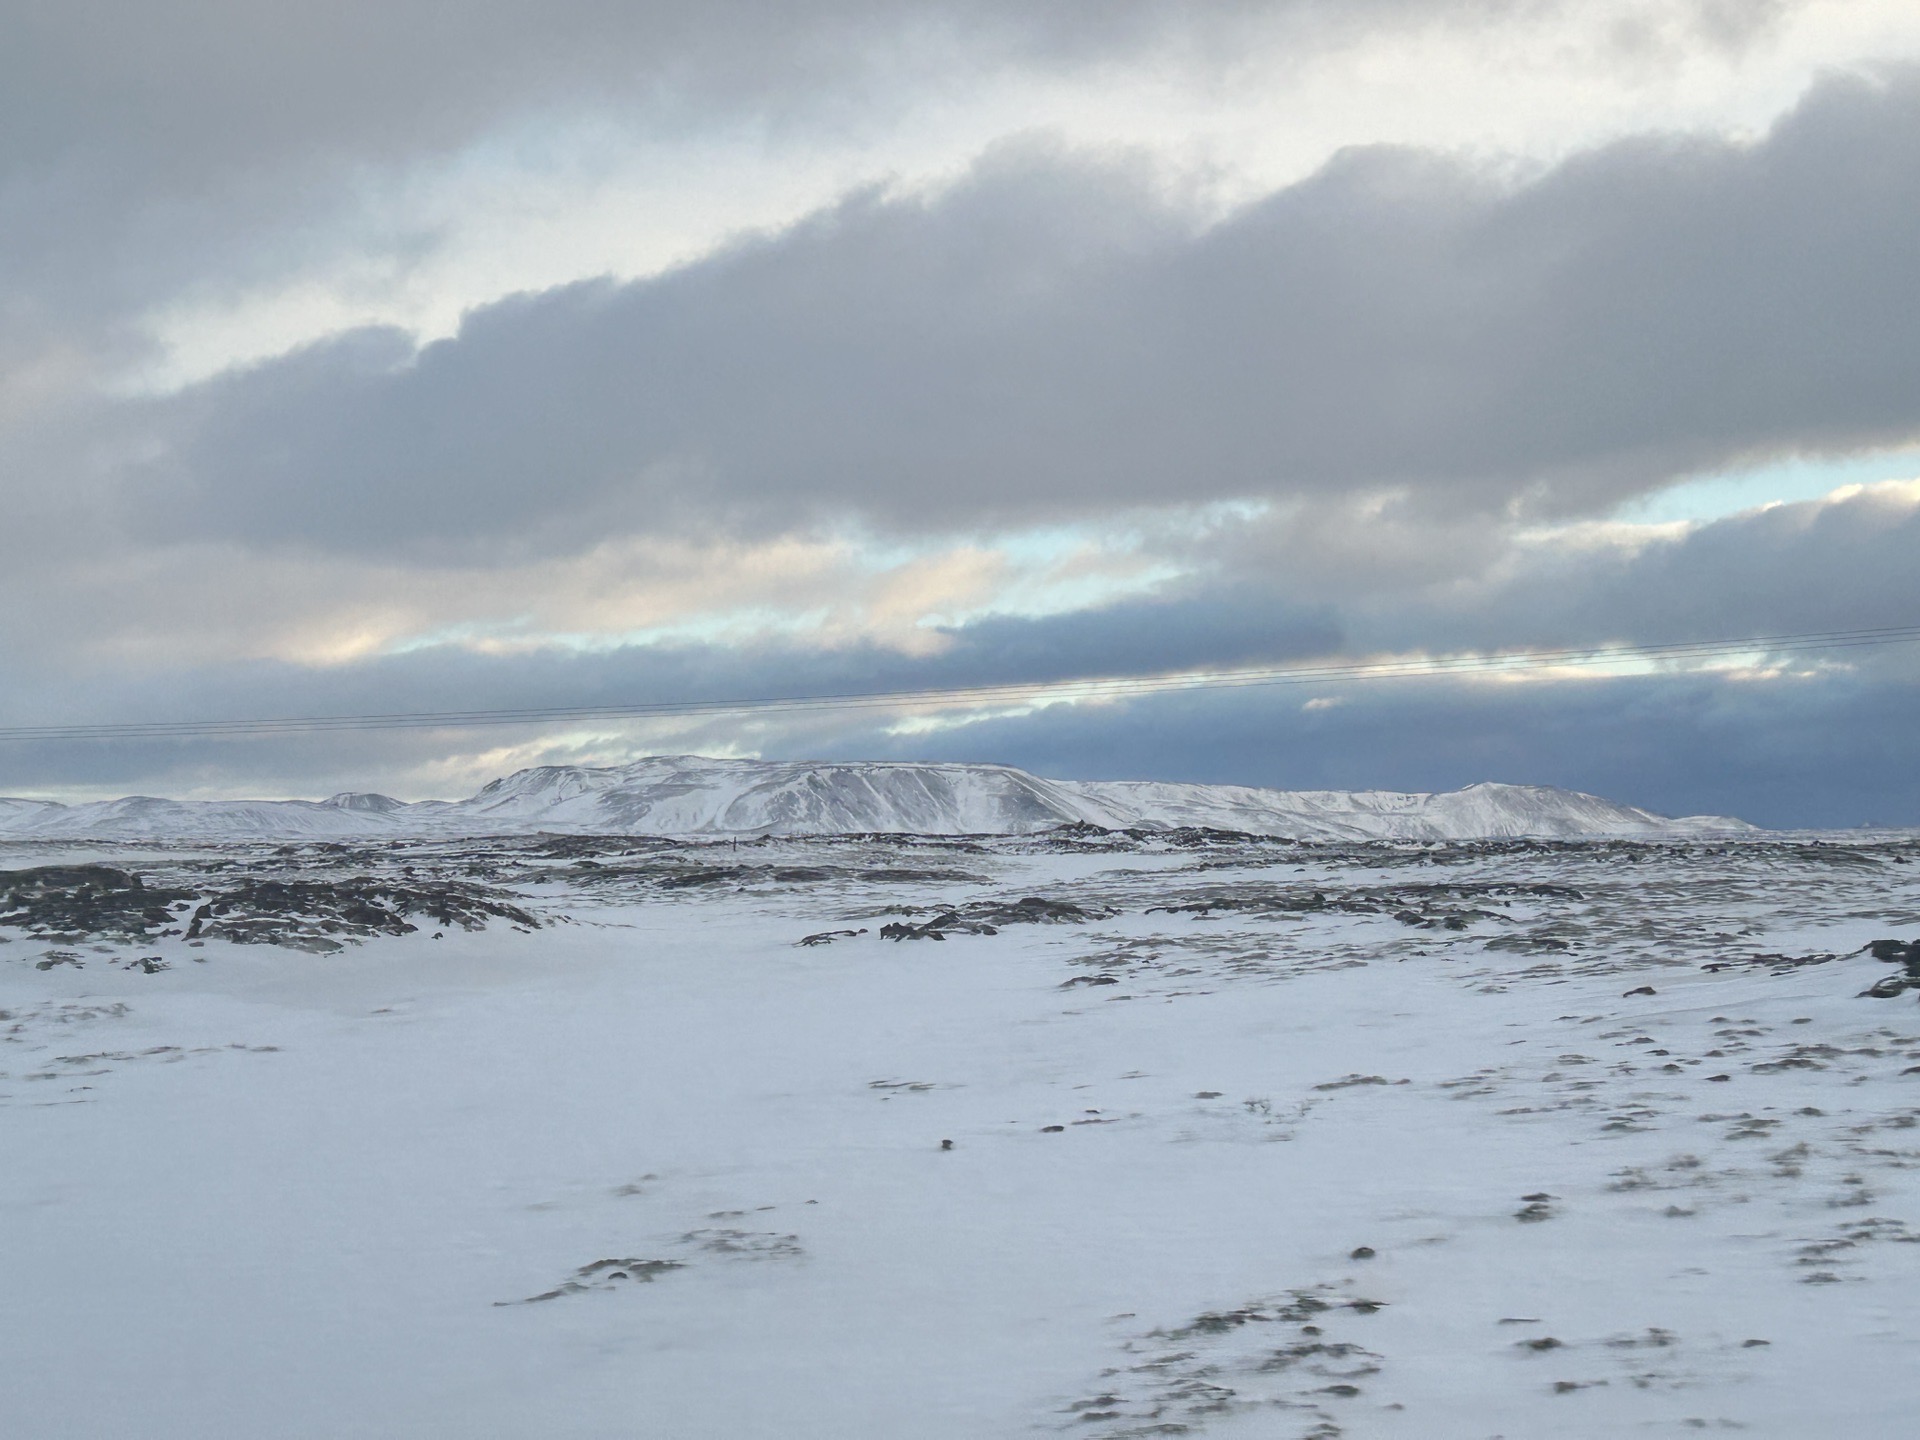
pixel 1709 497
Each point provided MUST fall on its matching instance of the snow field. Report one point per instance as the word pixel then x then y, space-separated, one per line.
pixel 341 1234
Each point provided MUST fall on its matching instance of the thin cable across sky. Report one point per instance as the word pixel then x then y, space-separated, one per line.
pixel 1051 691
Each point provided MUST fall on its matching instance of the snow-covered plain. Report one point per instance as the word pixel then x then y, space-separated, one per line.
pixel 1249 1138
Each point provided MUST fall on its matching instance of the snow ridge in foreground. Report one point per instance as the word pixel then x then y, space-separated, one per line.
pixel 691 795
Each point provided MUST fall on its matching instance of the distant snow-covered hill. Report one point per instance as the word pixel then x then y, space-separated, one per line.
pixel 695 795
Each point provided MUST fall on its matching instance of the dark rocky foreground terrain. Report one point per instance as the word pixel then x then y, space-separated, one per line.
pixel 1096 1132
pixel 1621 898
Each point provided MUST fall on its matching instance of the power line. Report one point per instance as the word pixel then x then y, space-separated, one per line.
pixel 1008 693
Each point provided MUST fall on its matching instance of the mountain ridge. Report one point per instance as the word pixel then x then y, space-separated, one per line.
pixel 691 796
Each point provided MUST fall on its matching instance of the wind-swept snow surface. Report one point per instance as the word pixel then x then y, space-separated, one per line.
pixel 572 1138
pixel 688 795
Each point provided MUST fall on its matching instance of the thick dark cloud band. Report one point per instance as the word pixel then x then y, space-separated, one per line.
pixel 1048 339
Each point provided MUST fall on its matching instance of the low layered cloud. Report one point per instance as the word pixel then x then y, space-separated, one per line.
pixel 1052 338
pixel 1051 390
pixel 155 153
pixel 1813 753
pixel 1681 741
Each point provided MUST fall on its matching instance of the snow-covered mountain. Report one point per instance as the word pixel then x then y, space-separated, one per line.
pixel 696 795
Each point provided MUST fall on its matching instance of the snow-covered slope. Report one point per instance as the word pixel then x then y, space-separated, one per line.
pixel 1460 1143
pixel 22 814
pixel 691 795
pixel 697 795
pixel 145 817
pixel 1479 811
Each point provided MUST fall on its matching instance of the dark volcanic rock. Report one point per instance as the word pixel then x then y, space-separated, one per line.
pixel 1902 952
pixel 671 873
pixel 74 902
pixel 1425 905
pixel 323 915
pixel 1778 964
pixel 985 917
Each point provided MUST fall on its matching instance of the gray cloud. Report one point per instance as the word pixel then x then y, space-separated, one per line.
pixel 1784 570
pixel 168 96
pixel 1801 749
pixel 1053 337
pixel 1400 581
pixel 1827 752
pixel 1791 754
pixel 151 147
pixel 151 152
pixel 1049 339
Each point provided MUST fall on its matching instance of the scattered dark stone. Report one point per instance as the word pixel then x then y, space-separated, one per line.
pixel 1421 905
pixel 149 965
pixel 1773 964
pixel 1545 1342
pixel 1288 1356
pixel 569 847
pixel 1089 980
pixel 1642 990
pixel 985 917
pixel 1718 1078
pixel 946 1144
pixel 603 1275
pixel 1363 1252
pixel 698 877
pixel 1750 1344
pixel 1527 944
pixel 1206 1094
pixel 1887 988
pixel 827 937
pixel 933 929
pixel 1533 1212
pixel 1052 1129
pixel 627 1269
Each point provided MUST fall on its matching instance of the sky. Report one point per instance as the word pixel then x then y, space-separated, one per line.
pixel 398 358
